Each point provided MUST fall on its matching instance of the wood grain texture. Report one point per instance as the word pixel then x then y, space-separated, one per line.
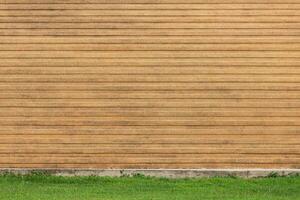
pixel 149 84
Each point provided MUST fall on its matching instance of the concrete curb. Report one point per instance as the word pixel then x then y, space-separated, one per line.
pixel 167 173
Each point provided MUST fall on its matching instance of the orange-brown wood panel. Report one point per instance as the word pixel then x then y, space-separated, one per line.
pixel 149 84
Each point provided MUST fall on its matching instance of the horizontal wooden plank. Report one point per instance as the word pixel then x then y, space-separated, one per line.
pixel 186 158
pixel 47 69
pixel 149 54
pixel 150 121
pixel 150 166
pixel 150 112
pixel 149 78
pixel 151 160
pixel 88 149
pixel 151 130
pixel 153 166
pixel 174 62
pixel 153 146
pixel 143 164
pixel 150 139
pixel 154 12
pixel 146 86
pixel 148 6
pixel 143 152
pixel 150 19
pixel 85 25
pixel 156 103
pixel 171 40
pixel 149 32
pixel 148 1
pixel 150 47
pixel 208 94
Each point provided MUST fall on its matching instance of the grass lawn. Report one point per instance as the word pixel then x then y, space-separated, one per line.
pixel 44 187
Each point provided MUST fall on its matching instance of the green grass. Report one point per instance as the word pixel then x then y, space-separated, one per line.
pixel 33 187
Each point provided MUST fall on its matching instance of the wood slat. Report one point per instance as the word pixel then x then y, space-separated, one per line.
pixel 252 165
pixel 115 86
pixel 150 47
pixel 148 1
pixel 26 68
pixel 76 25
pixel 153 160
pixel 173 62
pixel 150 54
pixel 153 112
pixel 88 149
pixel 151 19
pixel 153 6
pixel 149 139
pixel 152 130
pixel 148 78
pixel 213 94
pixel 173 40
pixel 155 12
pixel 149 32
pixel 150 121
pixel 157 103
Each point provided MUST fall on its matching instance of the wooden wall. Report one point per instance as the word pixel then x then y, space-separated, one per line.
pixel 150 83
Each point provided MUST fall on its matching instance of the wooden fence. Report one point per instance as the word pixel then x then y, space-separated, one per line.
pixel 150 84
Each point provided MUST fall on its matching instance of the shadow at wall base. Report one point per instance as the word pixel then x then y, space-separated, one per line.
pixel 166 173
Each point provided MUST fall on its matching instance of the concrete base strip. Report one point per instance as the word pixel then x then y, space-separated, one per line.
pixel 167 173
